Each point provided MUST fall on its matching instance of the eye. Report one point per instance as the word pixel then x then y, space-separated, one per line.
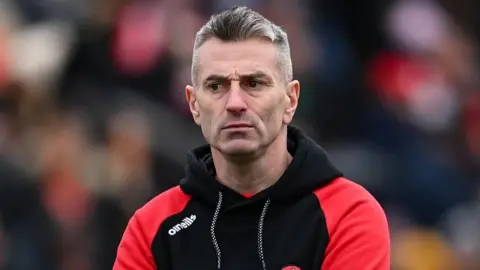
pixel 254 84
pixel 214 86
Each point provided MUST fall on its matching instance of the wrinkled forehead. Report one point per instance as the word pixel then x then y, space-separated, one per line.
pixel 216 57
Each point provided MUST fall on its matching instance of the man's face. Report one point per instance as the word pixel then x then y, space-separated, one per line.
pixel 241 100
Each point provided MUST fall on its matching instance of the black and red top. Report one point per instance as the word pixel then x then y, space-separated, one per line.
pixel 312 218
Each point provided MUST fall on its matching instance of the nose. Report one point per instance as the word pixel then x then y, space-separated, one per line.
pixel 235 100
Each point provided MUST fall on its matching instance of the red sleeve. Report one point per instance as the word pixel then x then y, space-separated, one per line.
pixel 134 251
pixel 357 226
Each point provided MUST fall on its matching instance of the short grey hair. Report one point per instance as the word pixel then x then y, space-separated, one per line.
pixel 241 23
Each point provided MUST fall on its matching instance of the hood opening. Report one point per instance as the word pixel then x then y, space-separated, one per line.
pixel 309 170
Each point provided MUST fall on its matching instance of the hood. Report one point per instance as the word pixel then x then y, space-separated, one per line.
pixel 309 170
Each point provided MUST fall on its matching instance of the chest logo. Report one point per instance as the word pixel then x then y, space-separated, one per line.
pixel 186 222
pixel 291 267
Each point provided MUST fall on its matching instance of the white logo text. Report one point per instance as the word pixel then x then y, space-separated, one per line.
pixel 186 222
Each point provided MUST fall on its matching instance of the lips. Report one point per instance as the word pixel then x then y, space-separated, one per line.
pixel 238 125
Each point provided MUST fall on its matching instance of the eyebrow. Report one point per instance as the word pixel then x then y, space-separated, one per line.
pixel 216 78
pixel 254 75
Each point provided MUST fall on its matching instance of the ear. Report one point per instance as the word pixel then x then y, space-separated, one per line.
pixel 292 96
pixel 191 97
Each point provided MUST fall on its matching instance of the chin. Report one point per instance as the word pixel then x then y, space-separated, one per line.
pixel 239 148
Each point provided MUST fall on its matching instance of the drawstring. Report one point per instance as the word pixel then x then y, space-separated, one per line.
pixel 260 232
pixel 212 229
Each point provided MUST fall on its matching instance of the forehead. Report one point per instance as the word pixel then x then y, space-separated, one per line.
pixel 243 57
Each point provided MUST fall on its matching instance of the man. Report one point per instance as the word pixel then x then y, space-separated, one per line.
pixel 261 194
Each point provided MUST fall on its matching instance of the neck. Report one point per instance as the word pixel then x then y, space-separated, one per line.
pixel 255 174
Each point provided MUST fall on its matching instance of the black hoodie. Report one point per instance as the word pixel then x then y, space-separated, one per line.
pixel 311 218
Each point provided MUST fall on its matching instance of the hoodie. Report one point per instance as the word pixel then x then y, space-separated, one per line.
pixel 311 218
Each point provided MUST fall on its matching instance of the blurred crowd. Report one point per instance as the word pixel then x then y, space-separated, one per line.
pixel 93 121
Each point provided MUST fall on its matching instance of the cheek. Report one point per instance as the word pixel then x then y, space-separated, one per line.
pixel 272 114
pixel 207 115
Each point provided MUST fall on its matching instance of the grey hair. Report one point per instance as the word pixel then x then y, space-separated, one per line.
pixel 241 23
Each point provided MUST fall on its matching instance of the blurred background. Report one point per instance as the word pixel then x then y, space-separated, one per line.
pixel 93 121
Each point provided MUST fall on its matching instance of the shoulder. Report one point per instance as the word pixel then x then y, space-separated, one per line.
pixel 348 204
pixel 161 207
pixel 134 250
pixel 357 227
pixel 343 195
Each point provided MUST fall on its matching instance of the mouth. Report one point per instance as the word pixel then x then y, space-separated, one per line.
pixel 238 125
